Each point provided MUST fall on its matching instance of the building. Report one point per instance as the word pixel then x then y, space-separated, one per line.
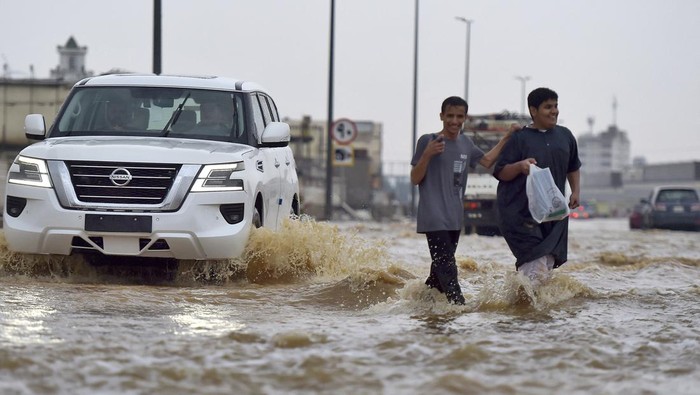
pixel 605 157
pixel 357 167
pixel 19 97
pixel 619 200
pixel 71 65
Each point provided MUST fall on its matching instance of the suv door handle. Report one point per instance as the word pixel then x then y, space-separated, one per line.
pixel 277 163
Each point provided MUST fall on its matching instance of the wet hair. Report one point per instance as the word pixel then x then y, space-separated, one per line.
pixel 539 96
pixel 454 101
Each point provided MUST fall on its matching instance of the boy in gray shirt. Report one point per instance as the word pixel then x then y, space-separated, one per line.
pixel 439 168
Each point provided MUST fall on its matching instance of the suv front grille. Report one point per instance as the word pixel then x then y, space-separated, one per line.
pixel 122 183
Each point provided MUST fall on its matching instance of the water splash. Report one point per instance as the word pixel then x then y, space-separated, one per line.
pixel 305 249
pixel 364 288
pixel 302 250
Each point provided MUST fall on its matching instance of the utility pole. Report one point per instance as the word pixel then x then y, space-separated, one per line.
pixel 415 101
pixel 156 36
pixel 466 64
pixel 329 142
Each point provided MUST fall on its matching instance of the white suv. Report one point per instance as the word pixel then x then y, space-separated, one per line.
pixel 152 166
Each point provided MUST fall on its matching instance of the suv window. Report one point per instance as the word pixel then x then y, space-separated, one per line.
pixel 257 115
pixel 271 105
pixel 265 109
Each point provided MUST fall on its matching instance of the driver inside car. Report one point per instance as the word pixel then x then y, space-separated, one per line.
pixel 216 117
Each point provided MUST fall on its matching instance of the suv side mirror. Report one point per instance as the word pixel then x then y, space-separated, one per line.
pixel 276 134
pixel 35 127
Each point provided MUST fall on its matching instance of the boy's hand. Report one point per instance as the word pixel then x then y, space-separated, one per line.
pixel 435 146
pixel 525 165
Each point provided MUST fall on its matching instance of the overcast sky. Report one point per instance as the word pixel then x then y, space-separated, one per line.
pixel 644 53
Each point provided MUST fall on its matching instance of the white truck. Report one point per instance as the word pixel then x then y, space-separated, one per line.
pixel 152 166
pixel 480 209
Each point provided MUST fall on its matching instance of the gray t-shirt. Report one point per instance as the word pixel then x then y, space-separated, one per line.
pixel 441 192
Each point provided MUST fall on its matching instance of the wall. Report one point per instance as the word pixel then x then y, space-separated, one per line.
pixel 18 98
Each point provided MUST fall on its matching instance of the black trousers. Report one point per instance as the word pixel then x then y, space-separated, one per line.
pixel 443 269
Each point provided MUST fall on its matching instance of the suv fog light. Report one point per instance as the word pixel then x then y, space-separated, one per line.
pixel 233 213
pixel 15 205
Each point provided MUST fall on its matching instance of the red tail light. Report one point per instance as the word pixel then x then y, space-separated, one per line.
pixel 472 205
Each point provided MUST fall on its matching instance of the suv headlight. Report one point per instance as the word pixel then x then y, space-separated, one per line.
pixel 29 171
pixel 214 178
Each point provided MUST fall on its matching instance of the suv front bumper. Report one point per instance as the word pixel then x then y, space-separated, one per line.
pixel 197 230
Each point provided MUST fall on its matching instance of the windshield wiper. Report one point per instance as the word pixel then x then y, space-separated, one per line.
pixel 173 118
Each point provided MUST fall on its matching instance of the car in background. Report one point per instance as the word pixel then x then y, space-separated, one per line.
pixel 152 166
pixel 671 207
pixel 635 217
pixel 581 212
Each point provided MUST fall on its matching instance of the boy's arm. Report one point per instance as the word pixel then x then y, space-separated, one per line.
pixel 490 157
pixel 434 147
pixel 575 183
pixel 510 171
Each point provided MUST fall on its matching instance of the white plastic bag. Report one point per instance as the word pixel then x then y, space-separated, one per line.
pixel 545 200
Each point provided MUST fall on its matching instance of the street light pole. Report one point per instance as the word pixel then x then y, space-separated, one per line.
pixel 523 80
pixel 466 64
pixel 415 98
pixel 329 121
pixel 157 34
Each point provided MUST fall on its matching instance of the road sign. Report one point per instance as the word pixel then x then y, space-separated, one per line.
pixel 344 131
pixel 343 155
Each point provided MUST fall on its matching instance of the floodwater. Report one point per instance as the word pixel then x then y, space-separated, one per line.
pixel 339 308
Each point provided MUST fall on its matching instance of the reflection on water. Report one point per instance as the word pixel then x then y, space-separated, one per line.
pixel 24 319
pixel 342 308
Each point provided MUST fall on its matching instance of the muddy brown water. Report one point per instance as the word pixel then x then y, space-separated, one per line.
pixel 340 308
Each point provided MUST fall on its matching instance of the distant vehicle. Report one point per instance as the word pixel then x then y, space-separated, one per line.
pixel 152 166
pixel 581 212
pixel 635 217
pixel 480 208
pixel 671 207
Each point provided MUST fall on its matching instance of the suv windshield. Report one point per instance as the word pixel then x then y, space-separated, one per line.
pixel 153 111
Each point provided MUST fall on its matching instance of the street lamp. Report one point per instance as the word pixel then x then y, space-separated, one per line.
pixel 329 120
pixel 466 65
pixel 415 97
pixel 523 80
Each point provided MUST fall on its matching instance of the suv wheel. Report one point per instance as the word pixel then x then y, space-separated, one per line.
pixel 257 220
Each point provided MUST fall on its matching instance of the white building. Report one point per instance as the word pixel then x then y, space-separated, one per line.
pixel 605 157
pixel 71 66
